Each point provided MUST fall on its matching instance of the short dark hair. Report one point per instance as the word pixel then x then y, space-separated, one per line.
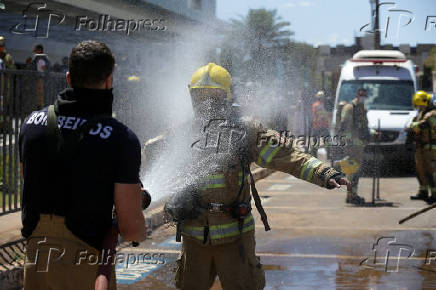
pixel 39 47
pixel 360 90
pixel 90 63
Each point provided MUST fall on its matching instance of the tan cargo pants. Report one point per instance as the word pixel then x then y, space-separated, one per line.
pixel 429 164
pixel 199 264
pixel 57 259
pixel 421 171
pixel 355 152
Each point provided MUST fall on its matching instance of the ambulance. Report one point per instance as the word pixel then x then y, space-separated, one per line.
pixel 390 80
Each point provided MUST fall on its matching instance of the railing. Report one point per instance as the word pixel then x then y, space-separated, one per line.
pixel 21 92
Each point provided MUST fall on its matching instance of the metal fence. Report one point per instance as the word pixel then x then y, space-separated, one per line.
pixel 21 92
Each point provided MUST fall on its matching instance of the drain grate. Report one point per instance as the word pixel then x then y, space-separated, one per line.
pixel 12 255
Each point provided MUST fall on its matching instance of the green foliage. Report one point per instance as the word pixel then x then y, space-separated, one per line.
pixel 429 66
pixel 430 61
pixel 5 177
pixel 263 27
pixel 254 40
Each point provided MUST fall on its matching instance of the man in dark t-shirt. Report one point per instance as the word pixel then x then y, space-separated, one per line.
pixel 73 179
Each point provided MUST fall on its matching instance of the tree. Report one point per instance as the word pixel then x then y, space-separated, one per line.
pixel 263 28
pixel 254 39
pixel 429 67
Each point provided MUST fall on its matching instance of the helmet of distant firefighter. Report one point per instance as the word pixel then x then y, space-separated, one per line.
pixel 421 100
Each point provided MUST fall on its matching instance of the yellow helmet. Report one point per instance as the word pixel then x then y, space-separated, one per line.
pixel 421 98
pixel 2 40
pixel 212 76
pixel 133 78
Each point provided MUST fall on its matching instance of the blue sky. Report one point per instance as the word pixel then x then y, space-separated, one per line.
pixel 338 21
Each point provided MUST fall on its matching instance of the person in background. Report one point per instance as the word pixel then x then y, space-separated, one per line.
pixel 354 126
pixel 40 63
pixel 8 61
pixel 40 60
pixel 320 121
pixel 422 129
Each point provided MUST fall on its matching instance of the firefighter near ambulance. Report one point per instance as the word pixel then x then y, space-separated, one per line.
pixel 422 131
pixel 213 215
pixel 352 122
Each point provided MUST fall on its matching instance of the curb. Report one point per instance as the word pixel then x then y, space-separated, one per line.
pixel 155 217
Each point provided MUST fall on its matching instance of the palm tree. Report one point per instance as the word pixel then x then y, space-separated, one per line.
pixel 255 37
pixel 262 29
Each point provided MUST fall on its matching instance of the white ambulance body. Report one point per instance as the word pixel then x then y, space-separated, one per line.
pixel 390 81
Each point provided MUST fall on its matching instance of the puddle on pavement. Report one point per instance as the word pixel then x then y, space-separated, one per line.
pixel 331 263
pixel 342 274
pixel 336 263
pixel 148 283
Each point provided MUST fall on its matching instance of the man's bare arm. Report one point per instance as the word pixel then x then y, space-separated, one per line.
pixel 131 221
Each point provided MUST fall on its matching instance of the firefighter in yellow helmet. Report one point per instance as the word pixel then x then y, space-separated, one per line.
pixel 218 231
pixel 423 128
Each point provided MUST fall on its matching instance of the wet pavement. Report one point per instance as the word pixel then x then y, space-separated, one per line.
pixel 319 242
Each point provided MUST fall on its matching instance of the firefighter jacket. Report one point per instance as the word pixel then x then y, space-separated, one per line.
pixel 226 182
pixel 354 123
pixel 424 128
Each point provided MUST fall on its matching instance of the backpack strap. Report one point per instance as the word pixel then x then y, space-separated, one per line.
pixel 258 202
pixel 53 132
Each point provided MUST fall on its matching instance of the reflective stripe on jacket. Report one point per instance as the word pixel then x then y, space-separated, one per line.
pixel 267 149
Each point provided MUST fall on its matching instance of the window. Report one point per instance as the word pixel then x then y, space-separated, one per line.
pixel 382 94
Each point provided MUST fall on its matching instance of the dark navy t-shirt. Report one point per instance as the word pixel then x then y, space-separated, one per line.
pixel 79 187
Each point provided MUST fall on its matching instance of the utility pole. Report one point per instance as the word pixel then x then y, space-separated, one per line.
pixel 377 26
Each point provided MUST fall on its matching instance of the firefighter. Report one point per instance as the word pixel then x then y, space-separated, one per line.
pixel 354 126
pixel 321 121
pixel 218 232
pixel 423 128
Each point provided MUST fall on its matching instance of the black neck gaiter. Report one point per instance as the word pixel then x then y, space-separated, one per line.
pixel 73 101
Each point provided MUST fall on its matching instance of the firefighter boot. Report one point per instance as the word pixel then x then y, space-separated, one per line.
pixel 354 198
pixel 421 195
